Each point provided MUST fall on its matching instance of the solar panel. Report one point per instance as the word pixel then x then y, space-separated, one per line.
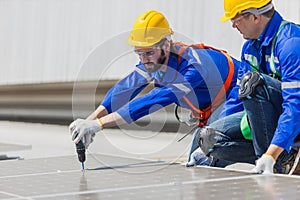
pixel 115 177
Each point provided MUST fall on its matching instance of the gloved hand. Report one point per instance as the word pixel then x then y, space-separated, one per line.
pixel 199 158
pixel 84 130
pixel 264 165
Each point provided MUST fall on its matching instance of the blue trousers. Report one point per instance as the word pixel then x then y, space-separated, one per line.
pixel 263 112
pixel 231 147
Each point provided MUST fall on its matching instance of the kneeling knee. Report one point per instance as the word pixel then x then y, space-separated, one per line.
pixel 248 85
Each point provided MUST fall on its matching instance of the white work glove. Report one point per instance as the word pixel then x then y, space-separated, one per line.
pixel 198 158
pixel 84 130
pixel 264 165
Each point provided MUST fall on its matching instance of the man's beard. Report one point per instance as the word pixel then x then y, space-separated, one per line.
pixel 160 61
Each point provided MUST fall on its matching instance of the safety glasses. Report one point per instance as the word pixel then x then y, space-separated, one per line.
pixel 146 53
pixel 237 20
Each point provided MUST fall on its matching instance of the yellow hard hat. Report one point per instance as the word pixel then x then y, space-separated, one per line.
pixel 148 29
pixel 233 7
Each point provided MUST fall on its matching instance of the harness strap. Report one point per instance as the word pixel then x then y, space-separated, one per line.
pixel 204 114
pixel 272 61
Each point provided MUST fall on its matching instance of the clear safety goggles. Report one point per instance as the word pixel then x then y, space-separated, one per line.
pixel 146 53
pixel 154 48
pixel 238 18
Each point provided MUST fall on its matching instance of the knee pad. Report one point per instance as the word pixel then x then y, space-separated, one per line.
pixel 248 85
pixel 207 138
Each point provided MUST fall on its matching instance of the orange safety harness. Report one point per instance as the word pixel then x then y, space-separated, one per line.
pixel 204 114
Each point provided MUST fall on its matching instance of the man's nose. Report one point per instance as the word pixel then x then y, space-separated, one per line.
pixel 144 58
pixel 233 25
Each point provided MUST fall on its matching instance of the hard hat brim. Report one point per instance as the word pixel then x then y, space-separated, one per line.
pixel 224 19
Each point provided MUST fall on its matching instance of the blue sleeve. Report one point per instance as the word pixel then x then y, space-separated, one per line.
pixel 126 89
pixel 288 124
pixel 187 79
pixel 156 99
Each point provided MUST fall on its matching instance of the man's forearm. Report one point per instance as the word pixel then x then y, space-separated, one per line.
pixel 98 113
pixel 112 120
pixel 274 151
pixel 107 120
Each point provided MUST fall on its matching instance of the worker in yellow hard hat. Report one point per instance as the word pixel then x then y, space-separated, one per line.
pixel 150 33
pixel 268 88
pixel 234 8
pixel 149 29
pixel 196 77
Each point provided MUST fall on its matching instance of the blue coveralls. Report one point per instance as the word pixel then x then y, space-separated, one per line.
pixel 273 119
pixel 199 76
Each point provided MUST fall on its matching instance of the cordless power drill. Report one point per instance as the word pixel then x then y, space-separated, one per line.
pixel 80 149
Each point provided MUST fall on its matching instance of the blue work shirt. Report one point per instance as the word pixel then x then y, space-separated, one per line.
pixel 198 74
pixel 287 63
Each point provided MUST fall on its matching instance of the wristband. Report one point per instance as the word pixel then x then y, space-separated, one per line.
pixel 101 124
pixel 271 157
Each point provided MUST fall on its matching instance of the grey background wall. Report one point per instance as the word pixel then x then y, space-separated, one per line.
pixel 50 40
pixel 46 46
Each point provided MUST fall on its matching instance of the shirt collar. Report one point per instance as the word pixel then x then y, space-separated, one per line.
pixel 171 69
pixel 270 30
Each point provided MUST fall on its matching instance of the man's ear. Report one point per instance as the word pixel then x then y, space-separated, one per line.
pixel 256 18
pixel 167 45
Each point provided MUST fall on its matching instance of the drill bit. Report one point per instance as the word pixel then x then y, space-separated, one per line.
pixel 82 166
